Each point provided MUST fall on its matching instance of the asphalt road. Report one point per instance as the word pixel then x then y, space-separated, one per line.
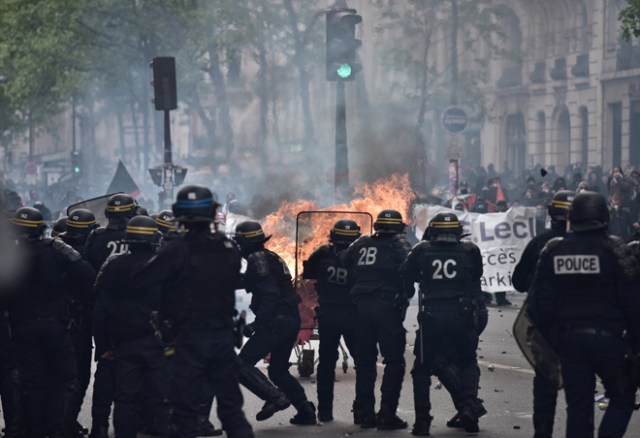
pixel 506 387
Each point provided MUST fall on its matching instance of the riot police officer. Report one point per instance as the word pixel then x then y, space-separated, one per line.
pixel 121 316
pixel 584 295
pixel 545 393
pixel 79 225
pixel 381 299
pixel 101 244
pixel 275 329
pixel 336 310
pixel 165 221
pixel 449 273
pixel 59 226
pixel 10 380
pixel 45 351
pixel 166 225
pixel 199 273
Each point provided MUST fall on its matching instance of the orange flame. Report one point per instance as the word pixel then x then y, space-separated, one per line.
pixel 313 229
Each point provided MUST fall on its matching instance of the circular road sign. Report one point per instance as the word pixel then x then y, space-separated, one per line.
pixel 454 120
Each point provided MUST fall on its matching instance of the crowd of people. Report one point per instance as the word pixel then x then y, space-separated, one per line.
pixel 486 191
pixel 155 295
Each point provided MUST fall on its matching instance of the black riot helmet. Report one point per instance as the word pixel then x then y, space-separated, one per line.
pixel 588 211
pixel 480 206
pixel 81 221
pixel 249 234
pixel 165 221
pixel 389 221
pixel 28 222
pixel 141 229
pixel 120 206
pixel 59 226
pixel 444 227
pixel 560 203
pixel 344 232
pixel 195 203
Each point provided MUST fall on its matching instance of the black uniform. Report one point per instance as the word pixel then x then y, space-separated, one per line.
pixel 381 300
pixel 10 380
pixel 585 293
pixel 121 322
pixel 199 273
pixel 275 304
pixel 336 316
pixel 80 314
pixel 545 393
pixel 45 352
pixel 101 244
pixel 449 275
pixel 525 269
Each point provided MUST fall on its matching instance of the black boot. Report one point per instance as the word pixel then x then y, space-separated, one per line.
pixel 543 426
pixel 357 412
pixel 206 428
pixel 388 420
pixel 478 409
pixel 306 415
pixel 99 432
pixel 325 412
pixel 270 407
pixel 12 404
pixel 368 418
pixel 455 422
pixel 469 419
pixel 422 425
pixel 256 382
pixel 325 406
pixel 501 299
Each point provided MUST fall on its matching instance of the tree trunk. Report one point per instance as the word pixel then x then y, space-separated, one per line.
pixel 303 77
pixel 220 92
pixel 420 144
pixel 263 95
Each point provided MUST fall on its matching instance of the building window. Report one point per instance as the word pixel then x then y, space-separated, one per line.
pixel 584 137
pixel 634 127
pixel 563 147
pixel 616 138
pixel 516 143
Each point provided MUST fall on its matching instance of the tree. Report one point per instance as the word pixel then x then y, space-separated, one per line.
pixel 37 59
pixel 630 20
pixel 414 33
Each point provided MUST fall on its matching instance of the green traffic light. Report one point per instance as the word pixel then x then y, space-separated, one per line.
pixel 344 71
pixel 76 169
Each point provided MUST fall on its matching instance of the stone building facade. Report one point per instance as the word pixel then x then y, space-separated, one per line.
pixel 574 99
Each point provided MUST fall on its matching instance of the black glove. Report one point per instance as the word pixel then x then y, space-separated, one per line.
pixel 249 330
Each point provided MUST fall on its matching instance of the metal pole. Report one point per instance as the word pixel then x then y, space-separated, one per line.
pixel 454 53
pixel 342 153
pixel 167 137
pixel 73 126
pixel 168 166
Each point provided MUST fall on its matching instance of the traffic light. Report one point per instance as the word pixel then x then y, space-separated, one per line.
pixel 342 44
pixel 164 83
pixel 76 162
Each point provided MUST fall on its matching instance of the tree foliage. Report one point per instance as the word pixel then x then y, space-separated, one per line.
pixel 54 52
pixel 630 20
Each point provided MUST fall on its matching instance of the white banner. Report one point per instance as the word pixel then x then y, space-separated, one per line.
pixel 501 238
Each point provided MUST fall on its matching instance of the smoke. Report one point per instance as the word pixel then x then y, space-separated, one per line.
pixel 283 145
